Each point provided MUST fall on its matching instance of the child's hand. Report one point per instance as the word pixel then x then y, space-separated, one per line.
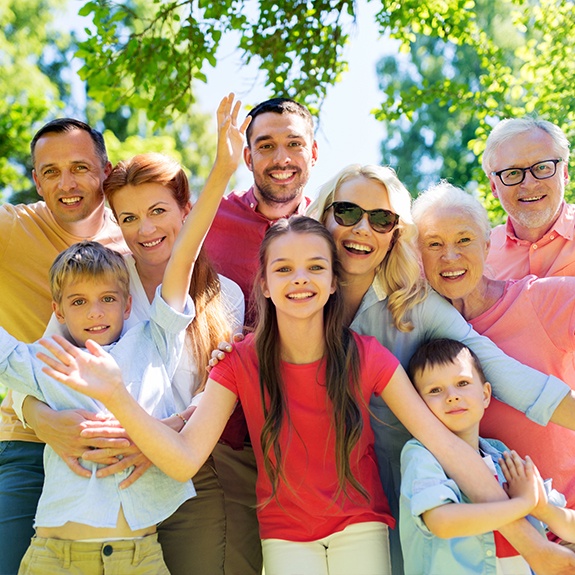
pixel 230 137
pixel 94 372
pixel 522 478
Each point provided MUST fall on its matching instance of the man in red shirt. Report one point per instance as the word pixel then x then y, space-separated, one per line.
pixel 280 153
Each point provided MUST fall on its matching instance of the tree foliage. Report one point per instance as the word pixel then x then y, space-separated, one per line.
pixel 147 53
pixel 491 60
pixel 30 49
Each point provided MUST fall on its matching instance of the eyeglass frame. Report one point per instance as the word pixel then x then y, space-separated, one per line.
pixel 368 212
pixel 530 169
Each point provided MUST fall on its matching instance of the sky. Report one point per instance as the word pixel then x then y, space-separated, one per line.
pixel 348 132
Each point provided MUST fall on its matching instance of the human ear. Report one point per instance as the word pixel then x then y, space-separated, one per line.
pixel 57 312
pixel 248 158
pixel 128 308
pixel 264 288
pixel 486 394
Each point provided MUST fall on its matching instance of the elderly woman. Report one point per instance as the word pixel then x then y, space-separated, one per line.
pixel 368 211
pixel 531 319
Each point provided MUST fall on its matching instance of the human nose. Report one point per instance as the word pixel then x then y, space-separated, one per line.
pixel 450 252
pixel 452 395
pixel 281 155
pixel 147 226
pixel 528 177
pixel 362 227
pixel 67 181
pixel 95 310
pixel 300 277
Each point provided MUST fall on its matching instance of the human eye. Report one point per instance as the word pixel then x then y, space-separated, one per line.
pixel 158 211
pixel 49 172
pixel 317 268
pixel 434 391
pixel 80 168
pixel 78 302
pixel 108 299
pixel 433 244
pixel 128 219
pixel 295 144
pixel 464 240
pixel 543 167
pixel 463 383
pixel 265 146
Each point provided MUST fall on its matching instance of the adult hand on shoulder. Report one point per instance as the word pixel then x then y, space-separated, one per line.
pixel 223 348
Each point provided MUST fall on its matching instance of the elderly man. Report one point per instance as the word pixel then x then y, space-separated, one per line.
pixel 70 165
pixel 526 160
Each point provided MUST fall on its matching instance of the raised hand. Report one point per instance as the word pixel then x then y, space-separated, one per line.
pixel 93 372
pixel 231 138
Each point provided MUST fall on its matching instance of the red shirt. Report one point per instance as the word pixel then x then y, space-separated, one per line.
pixel 306 509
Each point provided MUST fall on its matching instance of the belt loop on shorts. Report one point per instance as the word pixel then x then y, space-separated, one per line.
pixel 137 551
pixel 66 554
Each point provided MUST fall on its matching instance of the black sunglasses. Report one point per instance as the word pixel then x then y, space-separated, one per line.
pixel 348 214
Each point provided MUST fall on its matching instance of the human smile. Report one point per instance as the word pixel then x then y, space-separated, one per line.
pixel 152 243
pixel 355 248
pixel 300 295
pixel 282 175
pixel 453 274
pixel 456 411
pixel 97 329
pixel 70 201
pixel 529 199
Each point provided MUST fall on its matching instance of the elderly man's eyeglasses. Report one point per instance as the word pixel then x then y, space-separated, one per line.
pixel 540 171
pixel 348 214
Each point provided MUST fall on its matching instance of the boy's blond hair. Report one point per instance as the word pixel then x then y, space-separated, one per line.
pixel 87 260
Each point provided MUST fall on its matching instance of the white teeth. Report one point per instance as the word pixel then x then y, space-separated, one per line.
pixel 73 200
pixel 98 328
pixel 151 244
pixel 300 295
pixel 358 247
pixel 533 199
pixel 452 274
pixel 282 175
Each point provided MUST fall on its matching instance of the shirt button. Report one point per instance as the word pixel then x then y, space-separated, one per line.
pixel 552 237
pixel 108 550
pixel 489 553
pixel 534 246
pixel 252 206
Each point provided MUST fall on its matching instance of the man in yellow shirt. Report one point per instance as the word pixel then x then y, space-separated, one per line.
pixel 70 165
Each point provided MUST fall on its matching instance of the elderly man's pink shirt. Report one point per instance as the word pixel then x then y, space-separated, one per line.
pixel 552 255
pixel 534 322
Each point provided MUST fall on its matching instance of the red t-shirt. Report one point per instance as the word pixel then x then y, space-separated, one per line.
pixel 306 508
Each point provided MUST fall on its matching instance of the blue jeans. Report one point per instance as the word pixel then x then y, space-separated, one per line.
pixel 21 480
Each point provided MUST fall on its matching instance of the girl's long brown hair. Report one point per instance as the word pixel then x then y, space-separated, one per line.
pixel 211 324
pixel 341 361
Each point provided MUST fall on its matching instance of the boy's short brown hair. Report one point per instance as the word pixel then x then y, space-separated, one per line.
pixel 441 351
pixel 91 260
